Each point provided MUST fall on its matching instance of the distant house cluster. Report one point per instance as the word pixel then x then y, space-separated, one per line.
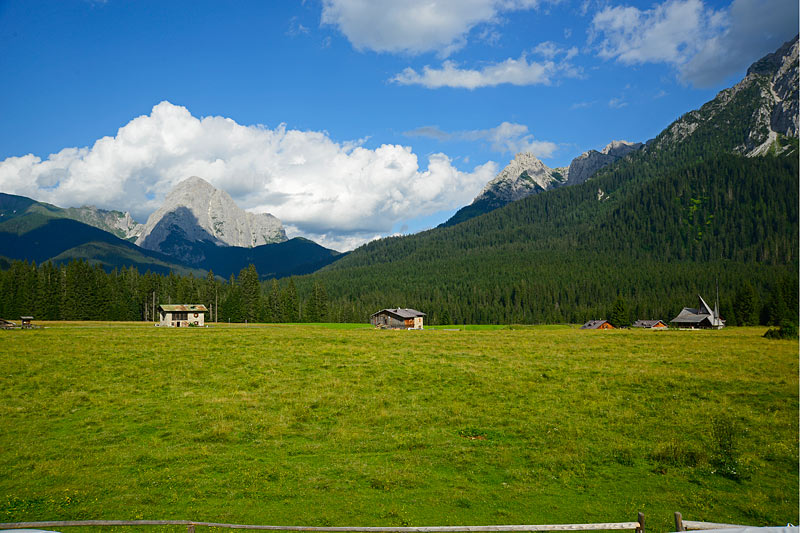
pixel 182 315
pixel 26 322
pixel 397 318
pixel 702 317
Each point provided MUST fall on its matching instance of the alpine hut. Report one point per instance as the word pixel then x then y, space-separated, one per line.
pixel 398 318
pixel 650 324
pixel 182 315
pixel 597 324
pixel 703 317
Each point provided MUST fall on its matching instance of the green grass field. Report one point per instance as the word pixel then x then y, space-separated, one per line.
pixel 320 425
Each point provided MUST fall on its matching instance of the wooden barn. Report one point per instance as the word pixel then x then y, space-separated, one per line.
pixel 182 315
pixel 703 317
pixel 597 324
pixel 650 324
pixel 397 318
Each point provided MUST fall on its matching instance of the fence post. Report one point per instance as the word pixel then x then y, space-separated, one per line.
pixel 190 528
pixel 679 522
pixel 640 529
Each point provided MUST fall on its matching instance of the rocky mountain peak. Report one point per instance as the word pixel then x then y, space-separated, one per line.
pixel 620 148
pixel 588 163
pixel 523 176
pixel 120 224
pixel 196 211
pixel 764 105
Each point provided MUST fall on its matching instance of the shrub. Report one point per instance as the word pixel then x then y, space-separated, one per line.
pixel 787 330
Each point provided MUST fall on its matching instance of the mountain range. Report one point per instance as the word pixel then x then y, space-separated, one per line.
pixel 713 197
pixel 199 228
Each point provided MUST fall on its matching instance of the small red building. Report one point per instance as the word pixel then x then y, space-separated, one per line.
pixel 597 324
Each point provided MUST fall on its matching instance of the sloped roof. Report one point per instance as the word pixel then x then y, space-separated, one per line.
pixel 594 324
pixel 401 312
pixel 647 323
pixel 182 308
pixel 703 313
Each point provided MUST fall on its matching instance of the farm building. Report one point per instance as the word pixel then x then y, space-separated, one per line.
pixel 650 324
pixel 7 324
pixel 398 318
pixel 182 315
pixel 27 321
pixel 597 324
pixel 702 317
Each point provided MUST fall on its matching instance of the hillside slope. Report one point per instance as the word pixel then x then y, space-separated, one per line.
pixel 655 228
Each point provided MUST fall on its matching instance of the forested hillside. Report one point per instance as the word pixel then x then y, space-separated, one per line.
pixel 655 231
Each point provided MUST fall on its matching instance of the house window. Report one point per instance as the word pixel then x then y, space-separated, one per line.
pixel 180 316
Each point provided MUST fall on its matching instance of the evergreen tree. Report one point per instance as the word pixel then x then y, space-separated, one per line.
pixel 289 303
pixel 618 315
pixel 274 311
pixel 250 293
pixel 744 305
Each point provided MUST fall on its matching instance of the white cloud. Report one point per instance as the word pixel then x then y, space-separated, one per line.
pixel 507 137
pixel 703 44
pixel 754 28
pixel 667 33
pixel 414 26
pixel 617 103
pixel 512 71
pixel 342 191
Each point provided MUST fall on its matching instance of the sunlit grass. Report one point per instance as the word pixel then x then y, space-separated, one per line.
pixel 322 425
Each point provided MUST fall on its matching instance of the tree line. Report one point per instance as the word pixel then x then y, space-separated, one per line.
pixel 80 291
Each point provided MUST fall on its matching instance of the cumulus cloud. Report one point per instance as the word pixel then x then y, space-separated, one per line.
pixel 753 29
pixel 704 45
pixel 414 26
pixel 318 187
pixel 507 137
pixel 512 71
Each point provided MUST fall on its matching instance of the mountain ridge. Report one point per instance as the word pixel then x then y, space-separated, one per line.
pixel 197 211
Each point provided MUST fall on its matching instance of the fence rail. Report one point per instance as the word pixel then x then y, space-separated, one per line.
pixel 637 526
pixel 693 525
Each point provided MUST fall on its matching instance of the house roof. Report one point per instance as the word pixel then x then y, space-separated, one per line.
pixel 401 312
pixel 178 308
pixel 647 323
pixel 703 313
pixel 594 324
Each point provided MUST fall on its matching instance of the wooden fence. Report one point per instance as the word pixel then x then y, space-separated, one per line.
pixel 637 526
pixel 693 525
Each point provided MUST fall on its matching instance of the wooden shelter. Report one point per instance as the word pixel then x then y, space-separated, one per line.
pixel 182 315
pixel 398 318
pixel 27 321
pixel 650 324
pixel 597 324
pixel 703 317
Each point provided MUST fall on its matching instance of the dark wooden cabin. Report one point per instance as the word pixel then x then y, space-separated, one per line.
pixel 398 318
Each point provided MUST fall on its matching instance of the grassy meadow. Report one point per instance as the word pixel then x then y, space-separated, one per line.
pixel 323 425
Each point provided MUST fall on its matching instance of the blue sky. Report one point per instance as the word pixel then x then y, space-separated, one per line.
pixel 347 119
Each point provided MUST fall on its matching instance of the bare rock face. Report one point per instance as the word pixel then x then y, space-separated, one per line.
pixel 195 211
pixel 765 101
pixel 523 176
pixel 120 224
pixel 588 163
